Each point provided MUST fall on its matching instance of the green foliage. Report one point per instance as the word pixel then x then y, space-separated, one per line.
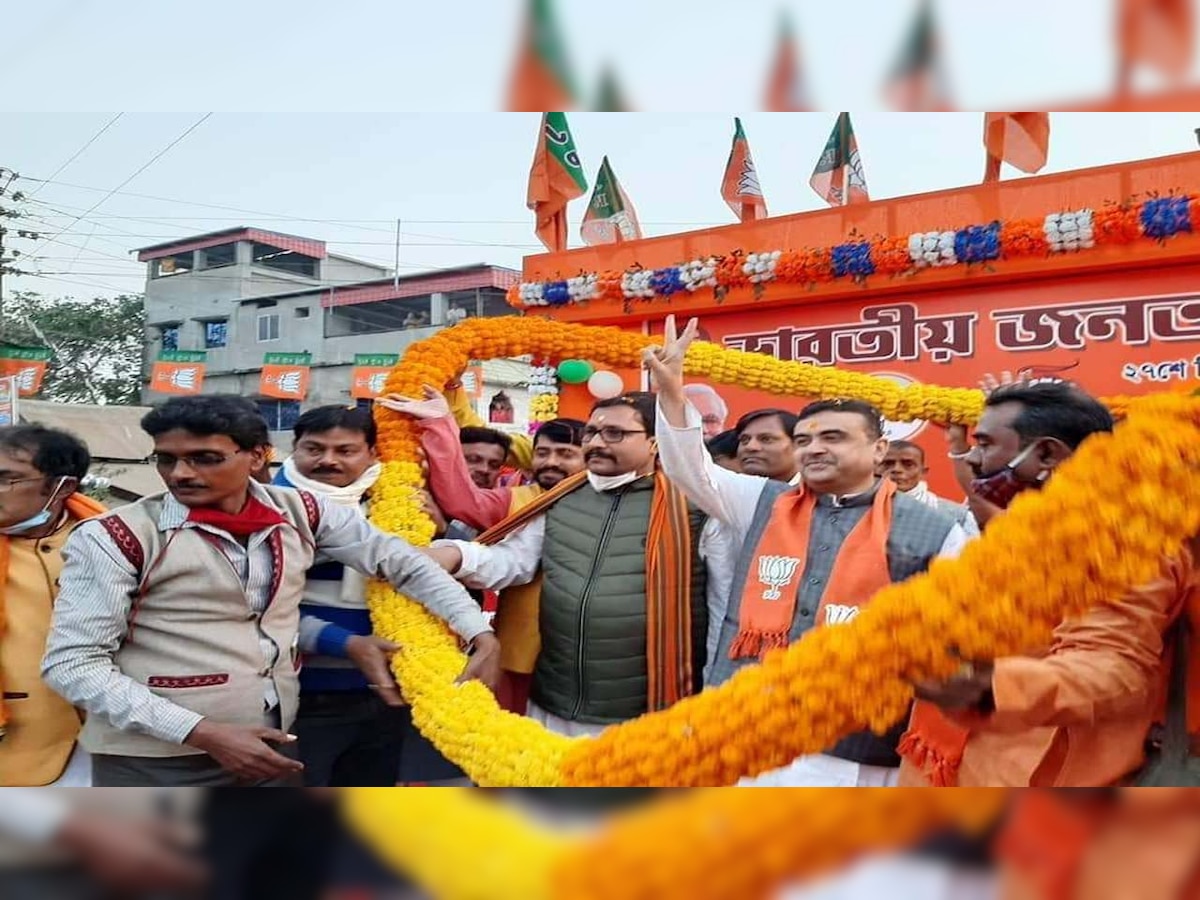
pixel 98 344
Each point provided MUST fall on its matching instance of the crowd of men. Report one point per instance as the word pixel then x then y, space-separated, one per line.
pixel 218 634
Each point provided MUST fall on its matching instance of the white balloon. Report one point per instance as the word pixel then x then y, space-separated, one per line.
pixel 605 385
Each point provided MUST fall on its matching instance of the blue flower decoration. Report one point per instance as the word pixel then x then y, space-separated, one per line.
pixel 977 243
pixel 666 281
pixel 853 259
pixel 1164 217
pixel 555 293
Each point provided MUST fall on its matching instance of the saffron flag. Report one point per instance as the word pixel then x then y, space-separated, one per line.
pixel 555 179
pixel 541 78
pixel 610 217
pixel 785 90
pixel 740 187
pixel 916 83
pixel 178 372
pixel 838 177
pixel 370 374
pixel 27 365
pixel 285 376
pixel 1158 33
pixel 1021 139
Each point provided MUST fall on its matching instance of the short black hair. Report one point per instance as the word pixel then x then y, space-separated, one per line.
pixel 642 402
pixel 872 417
pixel 787 420
pixel 561 431
pixel 907 445
pixel 724 444
pixel 234 416
pixel 475 435
pixel 54 453
pixel 1054 409
pixel 327 418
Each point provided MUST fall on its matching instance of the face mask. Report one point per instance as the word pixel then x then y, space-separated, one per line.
pixel 1002 487
pixel 38 519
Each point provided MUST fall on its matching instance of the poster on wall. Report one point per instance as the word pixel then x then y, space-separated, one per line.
pixel 27 365
pixel 9 398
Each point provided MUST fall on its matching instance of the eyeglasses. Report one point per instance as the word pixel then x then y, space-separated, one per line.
pixel 194 460
pixel 610 434
pixel 6 486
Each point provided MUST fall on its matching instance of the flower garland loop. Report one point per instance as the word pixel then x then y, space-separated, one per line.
pixel 1097 529
pixel 1157 218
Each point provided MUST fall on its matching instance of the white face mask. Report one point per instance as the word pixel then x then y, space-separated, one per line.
pixel 602 483
pixel 38 519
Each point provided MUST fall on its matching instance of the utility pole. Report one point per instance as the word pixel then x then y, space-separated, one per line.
pixel 7 178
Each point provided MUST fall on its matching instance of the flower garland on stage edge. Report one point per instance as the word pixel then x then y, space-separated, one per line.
pixel 1156 218
pixel 1097 529
pixel 461 845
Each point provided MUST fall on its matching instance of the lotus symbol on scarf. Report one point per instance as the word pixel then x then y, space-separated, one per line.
pixel 775 572
pixel 837 614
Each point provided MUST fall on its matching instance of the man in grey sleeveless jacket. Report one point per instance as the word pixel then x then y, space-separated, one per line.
pixel 839 446
pixel 177 619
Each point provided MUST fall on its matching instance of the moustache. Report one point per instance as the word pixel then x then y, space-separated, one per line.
pixel 186 485
pixel 551 470
pixel 327 470
pixel 597 454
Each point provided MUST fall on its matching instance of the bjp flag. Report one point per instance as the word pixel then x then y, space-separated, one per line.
pixel 168 377
pixel 27 365
pixel 284 382
pixel 739 186
pixel 1021 139
pixel 370 374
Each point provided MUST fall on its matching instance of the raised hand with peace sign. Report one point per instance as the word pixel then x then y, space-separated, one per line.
pixel 665 365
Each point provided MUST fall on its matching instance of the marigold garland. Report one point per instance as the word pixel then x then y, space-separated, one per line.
pixel 1156 218
pixel 718 844
pixel 1090 535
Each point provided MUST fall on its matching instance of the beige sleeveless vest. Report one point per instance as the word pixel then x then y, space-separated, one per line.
pixel 193 638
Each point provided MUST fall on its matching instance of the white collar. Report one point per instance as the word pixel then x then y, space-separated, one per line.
pixel 603 483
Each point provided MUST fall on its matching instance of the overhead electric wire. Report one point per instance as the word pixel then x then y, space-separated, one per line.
pixel 74 156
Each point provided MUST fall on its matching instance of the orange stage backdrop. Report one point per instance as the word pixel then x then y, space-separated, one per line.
pixel 1125 319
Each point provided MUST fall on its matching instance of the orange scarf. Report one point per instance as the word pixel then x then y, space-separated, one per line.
pixel 1046 837
pixel 773 582
pixel 668 584
pixel 79 507
pixel 934 743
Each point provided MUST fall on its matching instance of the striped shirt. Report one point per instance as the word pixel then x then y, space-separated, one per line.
pixel 97 584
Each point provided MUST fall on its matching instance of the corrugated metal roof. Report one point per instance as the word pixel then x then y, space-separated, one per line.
pixel 111 432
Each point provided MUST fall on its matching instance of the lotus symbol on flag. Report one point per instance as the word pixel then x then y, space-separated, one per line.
pixel 289 382
pixel 775 572
pixel 184 378
pixel 27 378
pixel 376 382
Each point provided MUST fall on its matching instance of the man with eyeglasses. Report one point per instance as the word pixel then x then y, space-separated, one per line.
pixel 177 621
pixel 40 471
pixel 623 617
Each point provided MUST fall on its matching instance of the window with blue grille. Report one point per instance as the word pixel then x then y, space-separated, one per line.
pixel 281 415
pixel 216 334
pixel 170 337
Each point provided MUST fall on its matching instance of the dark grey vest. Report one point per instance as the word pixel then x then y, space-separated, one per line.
pixel 592 665
pixel 917 535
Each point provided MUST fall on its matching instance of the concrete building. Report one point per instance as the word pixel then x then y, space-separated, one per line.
pixel 240 293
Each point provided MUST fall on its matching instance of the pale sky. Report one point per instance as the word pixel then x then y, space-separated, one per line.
pixel 457 181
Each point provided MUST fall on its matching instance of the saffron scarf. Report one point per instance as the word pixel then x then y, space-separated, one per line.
pixel 78 507
pixel 934 743
pixel 773 581
pixel 668 584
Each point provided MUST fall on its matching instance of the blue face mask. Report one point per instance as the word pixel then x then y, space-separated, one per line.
pixel 38 519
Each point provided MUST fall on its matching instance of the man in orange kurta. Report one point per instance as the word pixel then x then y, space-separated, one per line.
pixel 40 468
pixel 1080 713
